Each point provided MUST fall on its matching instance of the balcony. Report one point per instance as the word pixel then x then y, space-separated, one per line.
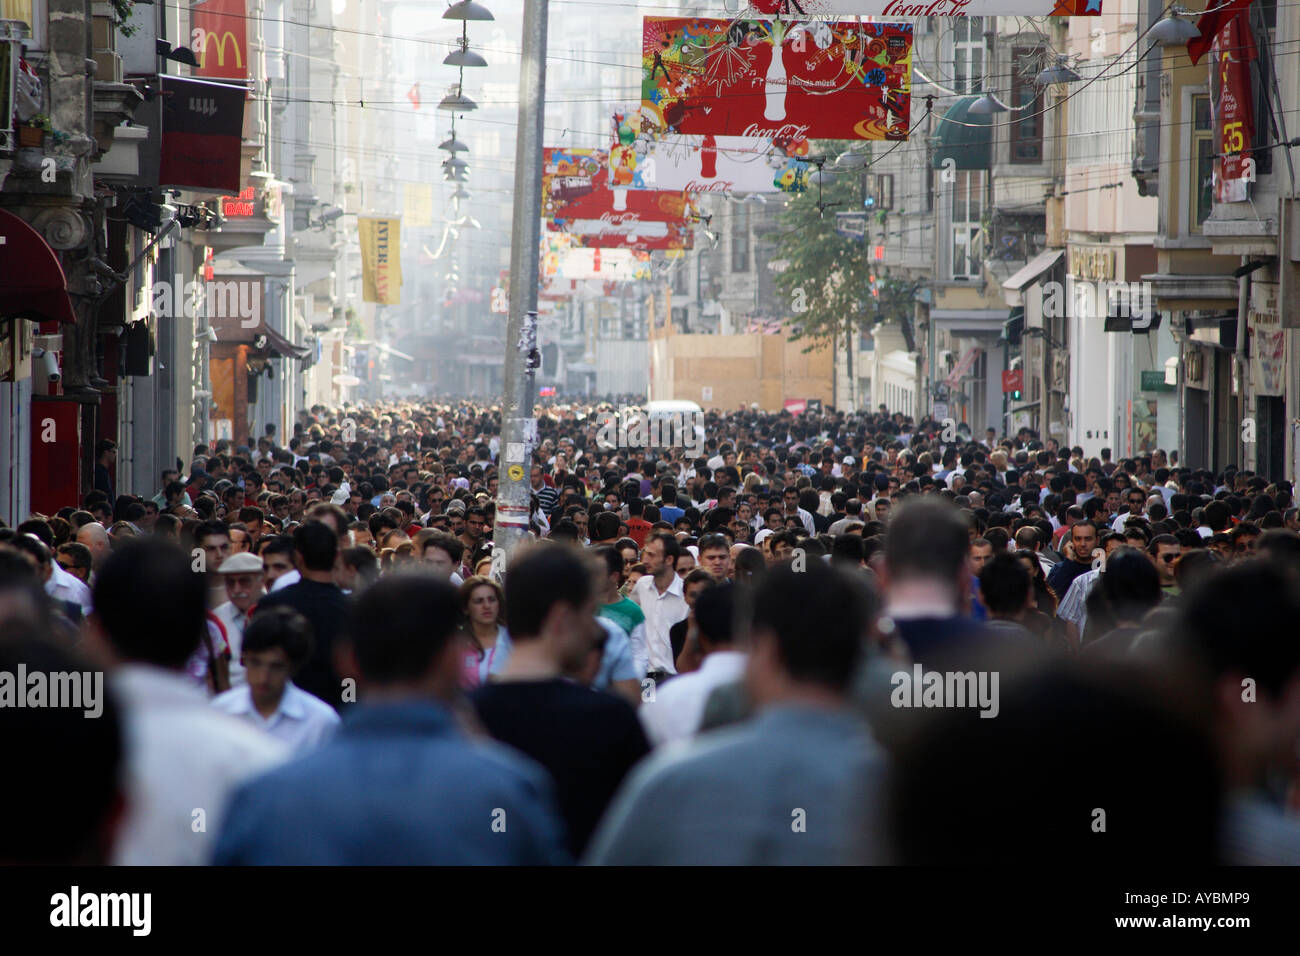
pixel 114 101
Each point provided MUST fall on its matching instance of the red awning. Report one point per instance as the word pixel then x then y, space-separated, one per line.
pixel 32 283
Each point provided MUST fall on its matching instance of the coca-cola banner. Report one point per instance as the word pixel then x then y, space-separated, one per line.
pixel 929 8
pixel 721 164
pixel 579 264
pixel 786 80
pixel 577 198
pixel 695 164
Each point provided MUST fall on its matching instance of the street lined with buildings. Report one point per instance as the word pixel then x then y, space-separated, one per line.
pixel 838 432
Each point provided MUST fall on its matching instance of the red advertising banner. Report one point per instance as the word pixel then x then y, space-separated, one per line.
pixel 1013 380
pixel 929 8
pixel 577 198
pixel 1233 50
pixel 219 39
pixel 783 80
pixel 202 134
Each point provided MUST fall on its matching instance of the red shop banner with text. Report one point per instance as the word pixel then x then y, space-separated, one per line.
pixel 1232 52
pixel 219 39
pixel 782 79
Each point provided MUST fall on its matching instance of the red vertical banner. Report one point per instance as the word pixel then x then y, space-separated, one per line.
pixel 56 465
pixel 219 39
pixel 1234 49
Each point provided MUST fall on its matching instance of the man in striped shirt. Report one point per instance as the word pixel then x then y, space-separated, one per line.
pixel 546 495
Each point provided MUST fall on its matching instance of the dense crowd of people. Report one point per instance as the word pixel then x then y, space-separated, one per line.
pixel 832 638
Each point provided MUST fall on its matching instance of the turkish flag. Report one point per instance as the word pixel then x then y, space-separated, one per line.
pixel 413 94
pixel 1210 24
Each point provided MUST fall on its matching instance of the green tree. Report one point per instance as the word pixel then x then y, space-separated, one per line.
pixel 825 283
pixel 831 286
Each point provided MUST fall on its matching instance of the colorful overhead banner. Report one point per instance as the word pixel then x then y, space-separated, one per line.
pixel 615 265
pixel 202 134
pixel 1232 51
pixel 381 260
pixel 929 8
pixel 721 164
pixel 774 79
pixel 219 39
pixel 577 198
pixel 576 185
pixel 695 164
pixel 649 236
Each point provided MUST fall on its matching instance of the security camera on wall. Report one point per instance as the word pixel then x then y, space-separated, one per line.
pixel 49 365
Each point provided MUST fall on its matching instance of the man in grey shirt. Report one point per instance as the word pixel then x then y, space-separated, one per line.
pixel 798 784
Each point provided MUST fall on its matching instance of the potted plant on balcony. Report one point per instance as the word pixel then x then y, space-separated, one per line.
pixel 32 133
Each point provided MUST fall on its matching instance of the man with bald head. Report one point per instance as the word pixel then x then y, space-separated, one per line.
pixel 95 537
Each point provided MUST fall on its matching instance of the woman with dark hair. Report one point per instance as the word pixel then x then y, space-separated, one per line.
pixel 483 603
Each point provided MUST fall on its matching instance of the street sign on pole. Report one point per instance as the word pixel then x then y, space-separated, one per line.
pixel 851 225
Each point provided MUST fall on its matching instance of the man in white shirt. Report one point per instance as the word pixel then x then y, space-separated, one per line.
pixel 659 594
pixel 276 644
pixel 183 759
pixel 1136 500
pixel 243 576
pixel 678 706
pixel 65 586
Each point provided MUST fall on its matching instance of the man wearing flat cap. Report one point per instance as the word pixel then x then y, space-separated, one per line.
pixel 242 575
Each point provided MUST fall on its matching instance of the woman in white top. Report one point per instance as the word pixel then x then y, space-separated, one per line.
pixel 483 604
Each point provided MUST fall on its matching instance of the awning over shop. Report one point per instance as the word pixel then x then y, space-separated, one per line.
pixel 971 320
pixel 964 138
pixel 1181 292
pixel 277 343
pixel 32 283
pixel 1036 267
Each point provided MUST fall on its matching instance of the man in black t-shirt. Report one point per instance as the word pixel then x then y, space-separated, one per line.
pixel 587 739
pixel 321 601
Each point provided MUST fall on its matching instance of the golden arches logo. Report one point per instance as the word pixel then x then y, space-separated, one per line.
pixel 201 39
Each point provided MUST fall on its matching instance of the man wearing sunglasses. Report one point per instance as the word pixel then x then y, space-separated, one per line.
pixel 1164 551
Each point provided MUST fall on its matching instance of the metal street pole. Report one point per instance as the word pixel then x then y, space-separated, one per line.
pixel 518 426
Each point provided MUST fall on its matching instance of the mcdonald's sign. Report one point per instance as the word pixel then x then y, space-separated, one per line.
pixel 219 39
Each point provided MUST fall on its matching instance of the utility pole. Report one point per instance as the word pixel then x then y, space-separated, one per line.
pixel 518 426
